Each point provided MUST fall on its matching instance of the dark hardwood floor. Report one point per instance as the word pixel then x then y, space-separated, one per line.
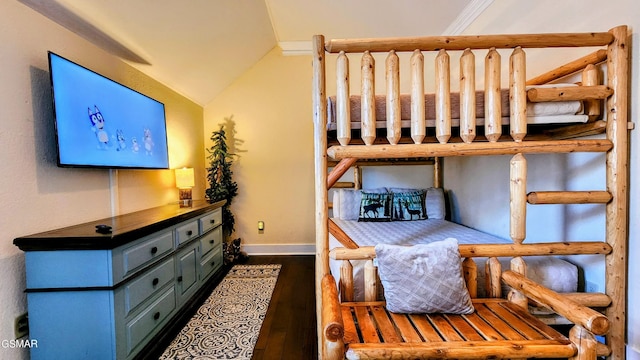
pixel 289 329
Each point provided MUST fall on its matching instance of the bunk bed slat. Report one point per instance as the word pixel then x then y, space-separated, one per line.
pixel 443 94
pixel 368 109
pixel 518 94
pixel 584 92
pixel 393 98
pixel 467 96
pixel 418 128
pixel 492 96
pixel 474 149
pixel 343 105
pixel 434 43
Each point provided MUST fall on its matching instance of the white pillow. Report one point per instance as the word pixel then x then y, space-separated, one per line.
pixel 435 203
pixel 424 278
pixel 346 202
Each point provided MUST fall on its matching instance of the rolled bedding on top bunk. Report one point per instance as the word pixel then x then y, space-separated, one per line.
pixel 557 112
pixel 552 272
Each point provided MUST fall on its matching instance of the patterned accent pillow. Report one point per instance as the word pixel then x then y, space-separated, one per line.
pixel 375 207
pixel 409 206
pixel 424 278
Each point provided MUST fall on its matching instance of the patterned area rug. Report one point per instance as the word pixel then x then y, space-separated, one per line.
pixel 227 325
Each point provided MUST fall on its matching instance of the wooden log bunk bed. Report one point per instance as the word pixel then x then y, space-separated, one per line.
pixel 497 327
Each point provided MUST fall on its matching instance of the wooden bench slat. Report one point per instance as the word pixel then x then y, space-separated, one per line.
pixel 406 329
pixel 484 329
pixel 464 328
pixel 350 331
pixel 367 327
pixel 445 329
pixel 425 328
pixel 496 329
pixel 385 326
pixel 465 350
pixel 497 323
pixel 516 322
pixel 547 330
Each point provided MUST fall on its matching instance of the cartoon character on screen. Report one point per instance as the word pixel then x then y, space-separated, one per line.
pixel 97 126
pixel 148 142
pixel 135 147
pixel 122 142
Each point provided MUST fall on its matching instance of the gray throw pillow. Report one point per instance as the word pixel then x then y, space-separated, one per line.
pixel 424 278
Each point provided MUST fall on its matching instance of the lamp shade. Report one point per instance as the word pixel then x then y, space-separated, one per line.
pixel 185 178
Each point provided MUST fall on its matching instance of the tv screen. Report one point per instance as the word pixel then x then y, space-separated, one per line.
pixel 101 123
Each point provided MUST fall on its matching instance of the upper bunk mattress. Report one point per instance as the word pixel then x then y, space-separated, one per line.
pixel 537 113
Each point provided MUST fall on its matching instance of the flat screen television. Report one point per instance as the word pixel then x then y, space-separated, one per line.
pixel 101 123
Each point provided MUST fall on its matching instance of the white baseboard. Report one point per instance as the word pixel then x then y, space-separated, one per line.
pixel 632 354
pixel 279 249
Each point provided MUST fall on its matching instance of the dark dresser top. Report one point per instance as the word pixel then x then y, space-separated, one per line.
pixel 125 228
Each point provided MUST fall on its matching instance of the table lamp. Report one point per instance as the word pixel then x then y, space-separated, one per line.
pixel 184 182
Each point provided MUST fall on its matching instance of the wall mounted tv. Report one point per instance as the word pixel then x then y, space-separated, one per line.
pixel 101 123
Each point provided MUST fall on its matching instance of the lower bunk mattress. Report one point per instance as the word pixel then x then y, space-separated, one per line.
pixel 552 272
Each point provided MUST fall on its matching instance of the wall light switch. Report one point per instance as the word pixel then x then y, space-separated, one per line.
pixel 261 225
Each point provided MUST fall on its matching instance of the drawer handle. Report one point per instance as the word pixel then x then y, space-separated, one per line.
pixel 213 263
pixel 189 233
pixel 211 241
pixel 156 316
pixel 180 278
pixel 212 221
pixel 155 281
pixel 154 250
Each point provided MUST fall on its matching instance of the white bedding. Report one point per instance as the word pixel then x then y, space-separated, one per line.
pixel 556 112
pixel 552 272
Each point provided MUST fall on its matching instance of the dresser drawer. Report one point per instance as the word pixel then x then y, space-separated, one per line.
pixel 148 320
pixel 145 286
pixel 211 240
pixel 211 263
pixel 210 221
pixel 140 254
pixel 186 232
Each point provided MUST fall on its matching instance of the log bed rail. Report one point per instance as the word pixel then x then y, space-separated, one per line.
pixel 473 139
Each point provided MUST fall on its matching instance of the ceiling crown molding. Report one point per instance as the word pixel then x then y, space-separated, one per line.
pixel 294 48
pixel 467 16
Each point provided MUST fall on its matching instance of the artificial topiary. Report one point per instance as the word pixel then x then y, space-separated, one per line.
pixel 220 177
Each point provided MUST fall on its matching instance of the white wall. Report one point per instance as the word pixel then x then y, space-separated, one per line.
pixel 34 193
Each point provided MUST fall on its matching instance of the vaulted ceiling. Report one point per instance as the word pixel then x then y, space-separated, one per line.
pixel 199 47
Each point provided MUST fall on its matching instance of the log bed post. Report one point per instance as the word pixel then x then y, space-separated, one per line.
pixel 343 104
pixel 518 94
pixel 467 96
pixel 319 101
pixel 418 128
pixel 394 127
pixel 492 103
pixel 590 78
pixel 442 97
pixel 368 98
pixel 617 184
pixel 518 198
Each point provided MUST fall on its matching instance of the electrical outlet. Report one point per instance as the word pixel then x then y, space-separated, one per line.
pixel 21 326
pixel 591 287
